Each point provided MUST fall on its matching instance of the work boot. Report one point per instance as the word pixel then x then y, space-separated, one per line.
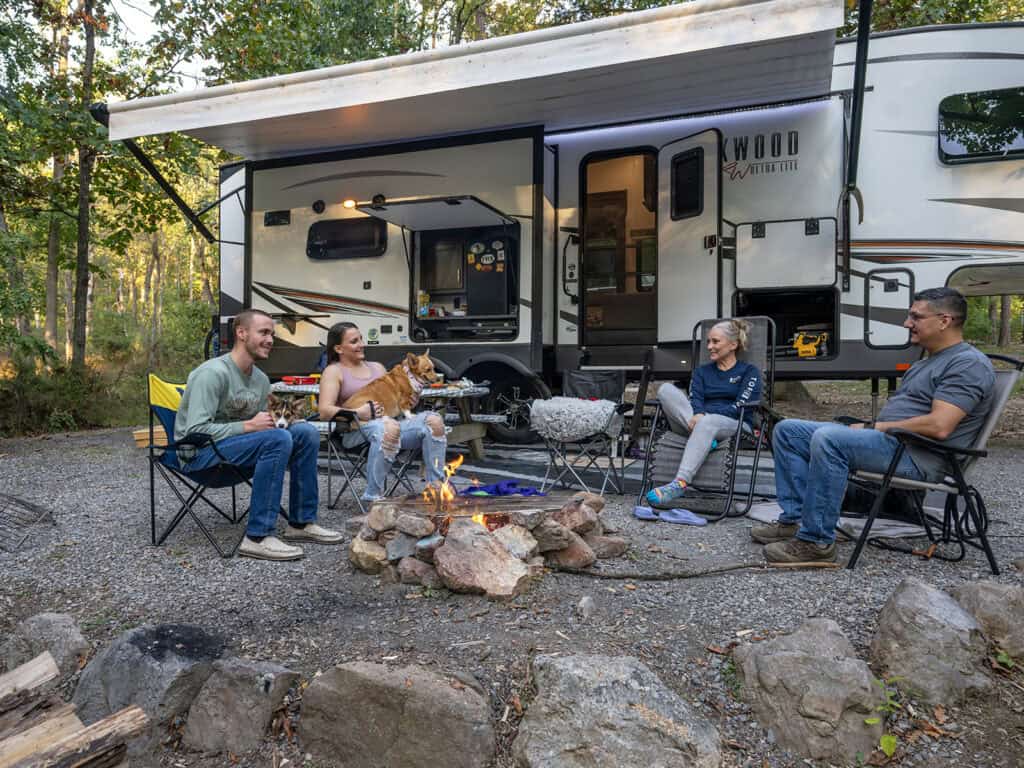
pixel 313 533
pixel 772 532
pixel 797 551
pixel 270 548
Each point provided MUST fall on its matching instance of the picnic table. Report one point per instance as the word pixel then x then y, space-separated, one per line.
pixel 466 427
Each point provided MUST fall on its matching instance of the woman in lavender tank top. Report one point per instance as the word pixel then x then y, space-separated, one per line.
pixel 346 373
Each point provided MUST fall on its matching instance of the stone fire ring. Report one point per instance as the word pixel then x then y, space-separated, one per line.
pixel 492 546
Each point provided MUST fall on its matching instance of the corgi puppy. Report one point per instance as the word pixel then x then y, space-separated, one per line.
pixel 398 390
pixel 285 411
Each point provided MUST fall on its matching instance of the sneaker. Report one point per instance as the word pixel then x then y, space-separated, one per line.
pixel 271 548
pixel 312 532
pixel 772 532
pixel 799 551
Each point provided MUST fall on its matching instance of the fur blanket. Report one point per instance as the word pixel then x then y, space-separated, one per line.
pixel 570 418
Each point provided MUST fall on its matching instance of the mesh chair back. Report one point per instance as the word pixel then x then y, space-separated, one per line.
pixel 603 385
pixel 1001 391
pixel 760 349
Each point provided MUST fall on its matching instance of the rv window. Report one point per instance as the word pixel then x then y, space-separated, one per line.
pixel 356 238
pixel 688 184
pixel 986 125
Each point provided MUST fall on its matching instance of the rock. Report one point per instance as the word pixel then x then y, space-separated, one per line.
pixel 425 548
pixel 930 643
pixel 54 632
pixel 999 609
pixel 366 533
pixel 1019 564
pixel 606 547
pixel 161 668
pixel 574 557
pixel 813 692
pixel 551 535
pixel 536 566
pixel 367 556
pixel 236 705
pixel 577 516
pixel 376 716
pixel 471 560
pixel 384 537
pixel 527 518
pixel 403 545
pixel 415 525
pixel 592 500
pixel 414 571
pixel 389 574
pixel 517 540
pixel 382 516
pixel 585 607
pixel 610 712
pixel 355 524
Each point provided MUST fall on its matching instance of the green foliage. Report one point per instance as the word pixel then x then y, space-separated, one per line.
pixel 1004 660
pixel 887 742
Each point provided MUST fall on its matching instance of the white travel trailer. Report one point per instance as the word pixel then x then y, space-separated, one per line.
pixel 583 195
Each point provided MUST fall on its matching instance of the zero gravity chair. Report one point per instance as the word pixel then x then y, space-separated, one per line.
pixel 739 465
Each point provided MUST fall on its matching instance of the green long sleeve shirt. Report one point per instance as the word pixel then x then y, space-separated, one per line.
pixel 218 399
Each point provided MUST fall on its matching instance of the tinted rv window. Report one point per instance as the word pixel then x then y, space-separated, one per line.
pixel 986 125
pixel 688 184
pixel 347 239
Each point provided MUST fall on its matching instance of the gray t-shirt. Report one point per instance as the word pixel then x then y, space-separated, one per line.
pixel 959 375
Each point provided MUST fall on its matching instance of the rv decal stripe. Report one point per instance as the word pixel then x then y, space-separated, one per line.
pixel 948 244
pixel 569 317
pixel 360 175
pixel 1015 204
pixel 884 315
pixel 273 301
pixel 340 302
pixel 941 57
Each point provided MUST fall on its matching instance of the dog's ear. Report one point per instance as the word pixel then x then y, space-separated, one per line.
pixel 299 408
pixel 272 401
pixel 427 353
pixel 410 359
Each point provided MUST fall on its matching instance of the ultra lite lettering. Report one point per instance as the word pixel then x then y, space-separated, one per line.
pixel 761 146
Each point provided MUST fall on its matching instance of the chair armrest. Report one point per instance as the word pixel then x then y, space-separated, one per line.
pixel 194 439
pixel 749 404
pixel 623 408
pixel 912 438
pixel 848 420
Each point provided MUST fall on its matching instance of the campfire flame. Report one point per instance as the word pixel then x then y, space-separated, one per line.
pixel 441 494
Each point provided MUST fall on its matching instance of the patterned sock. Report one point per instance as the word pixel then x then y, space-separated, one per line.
pixel 667 493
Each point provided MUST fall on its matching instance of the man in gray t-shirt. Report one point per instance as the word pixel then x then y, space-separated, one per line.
pixel 944 396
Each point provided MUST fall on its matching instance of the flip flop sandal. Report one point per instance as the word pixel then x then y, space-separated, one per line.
pixel 681 517
pixel 645 513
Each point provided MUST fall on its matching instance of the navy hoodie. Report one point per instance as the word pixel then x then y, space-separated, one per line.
pixel 716 391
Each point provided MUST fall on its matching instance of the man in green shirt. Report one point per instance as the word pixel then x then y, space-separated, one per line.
pixel 226 398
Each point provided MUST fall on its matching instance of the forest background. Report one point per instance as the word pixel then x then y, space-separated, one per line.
pixel 101 278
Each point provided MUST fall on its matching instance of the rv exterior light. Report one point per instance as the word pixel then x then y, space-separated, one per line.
pixel 319 206
pixel 378 199
pixel 349 203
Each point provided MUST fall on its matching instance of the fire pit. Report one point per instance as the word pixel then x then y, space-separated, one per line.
pixel 480 544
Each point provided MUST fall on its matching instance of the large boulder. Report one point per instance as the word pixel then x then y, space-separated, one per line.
pixel 236 704
pixel 161 668
pixel 930 644
pixel 813 692
pixel 376 716
pixel 54 632
pixel 471 560
pixel 576 556
pixel 517 540
pixel 610 712
pixel 551 536
pixel 999 609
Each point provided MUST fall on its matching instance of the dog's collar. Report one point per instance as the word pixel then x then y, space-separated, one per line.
pixel 417 385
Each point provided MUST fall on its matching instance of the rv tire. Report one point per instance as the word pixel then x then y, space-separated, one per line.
pixel 512 394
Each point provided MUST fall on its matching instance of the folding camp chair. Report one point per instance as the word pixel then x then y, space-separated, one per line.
pixel 350 460
pixel 964 520
pixel 738 461
pixel 586 445
pixel 189 487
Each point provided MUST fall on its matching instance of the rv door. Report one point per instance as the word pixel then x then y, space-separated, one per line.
pixel 689 233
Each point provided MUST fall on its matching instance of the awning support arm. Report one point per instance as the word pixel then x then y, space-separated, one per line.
pixel 856 116
pixel 100 114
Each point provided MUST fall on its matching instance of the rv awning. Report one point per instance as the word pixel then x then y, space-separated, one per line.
pixel 432 213
pixel 700 56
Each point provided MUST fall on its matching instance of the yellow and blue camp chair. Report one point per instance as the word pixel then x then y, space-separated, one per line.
pixel 164 399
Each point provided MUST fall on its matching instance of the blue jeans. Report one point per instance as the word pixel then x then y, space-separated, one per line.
pixel 270 452
pixel 415 433
pixel 812 462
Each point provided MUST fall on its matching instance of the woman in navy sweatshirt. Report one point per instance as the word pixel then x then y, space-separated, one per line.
pixel 712 412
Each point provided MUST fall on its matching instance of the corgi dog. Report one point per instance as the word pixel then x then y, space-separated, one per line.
pixel 398 390
pixel 285 411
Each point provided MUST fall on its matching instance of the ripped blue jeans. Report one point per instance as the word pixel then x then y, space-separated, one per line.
pixel 414 433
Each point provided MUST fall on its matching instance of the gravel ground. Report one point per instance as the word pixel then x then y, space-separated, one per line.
pixel 96 564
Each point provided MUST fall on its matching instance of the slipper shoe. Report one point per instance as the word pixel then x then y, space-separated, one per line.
pixel 645 513
pixel 681 517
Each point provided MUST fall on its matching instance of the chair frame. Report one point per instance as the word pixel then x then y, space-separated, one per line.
pixel 963 529
pixel 356 457
pixel 589 449
pixel 760 437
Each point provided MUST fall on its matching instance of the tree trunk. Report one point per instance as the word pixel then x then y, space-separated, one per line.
pixel 53 240
pixel 86 159
pixel 206 291
pixel 69 319
pixel 993 318
pixel 156 270
pixel 1005 308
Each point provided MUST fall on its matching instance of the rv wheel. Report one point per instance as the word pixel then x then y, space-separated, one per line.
pixel 511 395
